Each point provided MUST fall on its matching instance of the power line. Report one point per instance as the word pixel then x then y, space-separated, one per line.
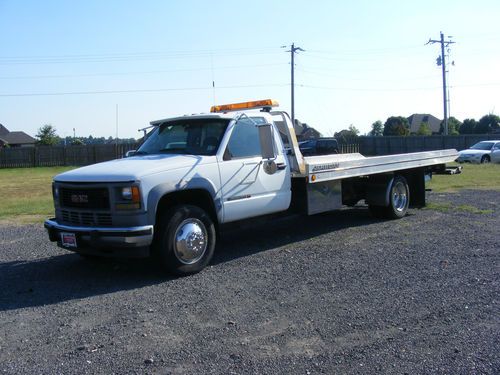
pixel 364 51
pixel 142 90
pixel 140 72
pixel 366 89
pixel 318 72
pixel 76 59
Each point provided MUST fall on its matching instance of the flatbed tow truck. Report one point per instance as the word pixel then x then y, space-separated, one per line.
pixel 195 173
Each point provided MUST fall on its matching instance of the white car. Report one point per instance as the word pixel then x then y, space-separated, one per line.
pixel 481 152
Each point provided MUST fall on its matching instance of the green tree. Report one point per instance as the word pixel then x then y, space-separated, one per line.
pixel 397 125
pixel 353 130
pixel 377 129
pixel 424 129
pixel 77 142
pixel 47 135
pixel 468 126
pixel 453 126
pixel 347 135
pixel 487 124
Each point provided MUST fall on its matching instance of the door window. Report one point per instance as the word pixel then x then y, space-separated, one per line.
pixel 244 141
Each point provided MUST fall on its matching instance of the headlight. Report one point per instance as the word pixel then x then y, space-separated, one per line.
pixel 130 193
pixel 130 198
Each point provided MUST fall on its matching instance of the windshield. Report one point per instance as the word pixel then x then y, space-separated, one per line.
pixel 307 144
pixel 190 136
pixel 482 146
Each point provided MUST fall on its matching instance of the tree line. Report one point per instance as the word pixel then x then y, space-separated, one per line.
pixel 398 125
pixel 47 136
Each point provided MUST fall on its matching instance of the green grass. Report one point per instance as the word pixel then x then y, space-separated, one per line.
pixel 473 176
pixel 27 194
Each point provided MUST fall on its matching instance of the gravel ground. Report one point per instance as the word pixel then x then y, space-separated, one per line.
pixel 335 293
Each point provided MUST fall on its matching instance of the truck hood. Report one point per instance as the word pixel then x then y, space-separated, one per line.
pixel 133 168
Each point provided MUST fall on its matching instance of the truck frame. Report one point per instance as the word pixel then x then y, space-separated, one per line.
pixel 194 174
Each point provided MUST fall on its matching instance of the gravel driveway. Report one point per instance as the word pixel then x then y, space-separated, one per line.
pixel 335 293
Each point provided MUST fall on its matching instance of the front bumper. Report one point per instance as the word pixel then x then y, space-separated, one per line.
pixel 104 241
pixel 469 159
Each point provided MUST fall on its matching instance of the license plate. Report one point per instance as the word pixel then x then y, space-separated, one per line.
pixel 68 239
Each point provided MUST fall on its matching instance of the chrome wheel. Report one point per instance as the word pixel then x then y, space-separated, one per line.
pixel 399 196
pixel 190 241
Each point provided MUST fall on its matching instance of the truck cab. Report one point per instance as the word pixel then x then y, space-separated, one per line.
pixel 209 166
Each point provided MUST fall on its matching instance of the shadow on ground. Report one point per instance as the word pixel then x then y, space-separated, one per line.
pixel 66 277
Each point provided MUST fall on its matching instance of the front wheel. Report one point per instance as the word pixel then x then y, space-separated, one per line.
pixel 399 200
pixel 185 241
pixel 485 159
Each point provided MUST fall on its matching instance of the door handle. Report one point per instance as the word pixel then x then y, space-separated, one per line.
pixel 281 166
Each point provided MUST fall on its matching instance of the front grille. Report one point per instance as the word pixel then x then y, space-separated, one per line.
pixel 84 198
pixel 86 219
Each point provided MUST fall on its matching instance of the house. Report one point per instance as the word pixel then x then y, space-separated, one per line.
pixel 15 139
pixel 302 130
pixel 418 119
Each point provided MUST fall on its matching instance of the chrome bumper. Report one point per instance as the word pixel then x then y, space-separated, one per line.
pixel 99 237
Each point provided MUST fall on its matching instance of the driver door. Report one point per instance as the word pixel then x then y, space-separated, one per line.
pixel 247 190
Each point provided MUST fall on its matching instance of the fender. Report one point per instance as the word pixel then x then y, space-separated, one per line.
pixel 161 190
pixel 379 190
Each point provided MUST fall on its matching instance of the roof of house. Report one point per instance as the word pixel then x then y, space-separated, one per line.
pixel 417 119
pixel 16 138
pixel 3 130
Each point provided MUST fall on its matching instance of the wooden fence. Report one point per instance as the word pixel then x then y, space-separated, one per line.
pixel 50 156
pixel 399 145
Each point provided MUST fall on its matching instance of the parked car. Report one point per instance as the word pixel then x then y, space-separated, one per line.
pixel 319 146
pixel 481 152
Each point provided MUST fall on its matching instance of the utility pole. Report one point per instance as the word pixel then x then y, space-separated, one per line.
pixel 116 135
pixel 292 51
pixel 442 61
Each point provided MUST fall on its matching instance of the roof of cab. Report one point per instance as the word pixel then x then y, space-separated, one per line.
pixel 195 116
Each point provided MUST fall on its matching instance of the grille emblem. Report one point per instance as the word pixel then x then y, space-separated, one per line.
pixel 79 198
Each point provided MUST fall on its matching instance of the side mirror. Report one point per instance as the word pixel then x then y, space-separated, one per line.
pixel 266 139
pixel 130 153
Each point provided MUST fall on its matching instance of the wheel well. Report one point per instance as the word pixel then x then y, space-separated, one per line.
pixel 196 197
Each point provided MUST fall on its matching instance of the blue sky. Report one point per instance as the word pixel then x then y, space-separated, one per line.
pixel 70 63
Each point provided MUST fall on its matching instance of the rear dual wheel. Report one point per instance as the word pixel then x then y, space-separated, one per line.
pixel 399 200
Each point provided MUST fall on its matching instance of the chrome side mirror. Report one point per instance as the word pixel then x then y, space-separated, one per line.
pixel 266 138
pixel 130 153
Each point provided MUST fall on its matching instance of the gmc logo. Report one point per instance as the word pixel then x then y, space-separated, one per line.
pixel 79 198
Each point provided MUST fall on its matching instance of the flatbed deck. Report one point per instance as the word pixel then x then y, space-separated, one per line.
pixel 339 166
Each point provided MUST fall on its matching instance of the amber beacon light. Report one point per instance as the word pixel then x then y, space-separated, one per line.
pixel 244 105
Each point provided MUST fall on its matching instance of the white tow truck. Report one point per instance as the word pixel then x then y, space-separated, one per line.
pixel 195 173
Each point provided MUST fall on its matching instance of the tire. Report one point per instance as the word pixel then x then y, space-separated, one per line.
pixel 185 241
pixel 399 200
pixel 485 159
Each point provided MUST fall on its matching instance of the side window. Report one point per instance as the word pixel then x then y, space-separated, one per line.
pixel 497 146
pixel 244 141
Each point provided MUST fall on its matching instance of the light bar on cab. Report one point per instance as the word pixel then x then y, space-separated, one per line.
pixel 244 105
